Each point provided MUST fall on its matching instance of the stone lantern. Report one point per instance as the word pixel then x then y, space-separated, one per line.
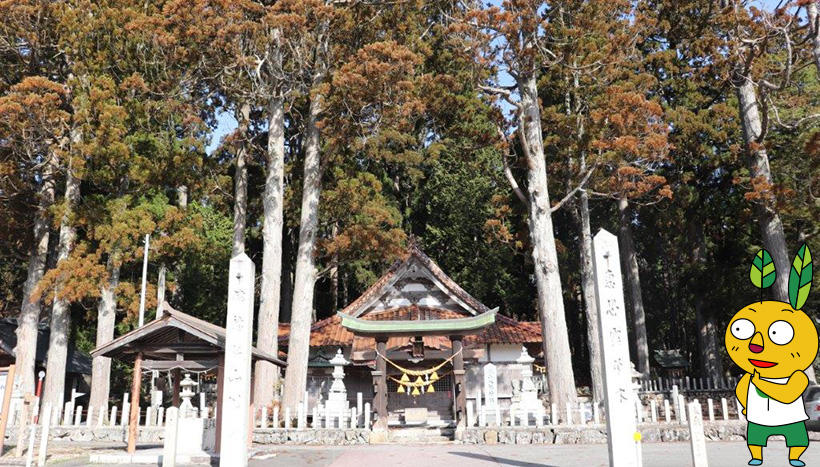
pixel 186 409
pixel 337 396
pixel 528 401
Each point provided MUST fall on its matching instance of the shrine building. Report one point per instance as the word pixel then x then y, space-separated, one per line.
pixel 416 339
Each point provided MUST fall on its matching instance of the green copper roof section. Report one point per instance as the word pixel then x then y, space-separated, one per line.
pixel 421 326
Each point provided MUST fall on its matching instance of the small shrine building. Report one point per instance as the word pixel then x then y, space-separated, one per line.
pixel 416 339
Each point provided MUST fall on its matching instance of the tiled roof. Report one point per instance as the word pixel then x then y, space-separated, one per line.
pixel 413 251
pixel 330 332
pixel 413 312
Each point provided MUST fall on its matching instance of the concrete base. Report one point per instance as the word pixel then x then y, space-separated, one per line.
pixel 150 456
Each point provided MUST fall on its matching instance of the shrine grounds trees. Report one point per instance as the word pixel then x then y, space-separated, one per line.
pixel 501 138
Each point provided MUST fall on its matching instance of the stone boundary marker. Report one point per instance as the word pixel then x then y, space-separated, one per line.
pixel 622 435
pixel 235 411
pixel 696 437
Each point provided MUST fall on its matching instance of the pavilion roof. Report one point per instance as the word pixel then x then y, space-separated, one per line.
pixel 174 333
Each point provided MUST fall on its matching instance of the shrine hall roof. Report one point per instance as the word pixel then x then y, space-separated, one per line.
pixel 412 255
pixel 505 330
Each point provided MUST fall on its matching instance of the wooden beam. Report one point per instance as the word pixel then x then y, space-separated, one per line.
pixel 458 377
pixel 174 348
pixel 4 415
pixel 195 365
pixel 136 383
pixel 380 376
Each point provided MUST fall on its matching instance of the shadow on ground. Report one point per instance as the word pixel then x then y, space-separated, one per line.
pixel 499 460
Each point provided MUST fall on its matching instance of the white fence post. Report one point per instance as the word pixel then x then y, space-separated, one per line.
pixel 724 407
pixel 367 415
pixel 711 410
pixel 45 419
pixel 78 415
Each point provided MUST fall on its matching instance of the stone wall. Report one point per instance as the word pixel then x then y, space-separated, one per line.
pixel 85 434
pixel 311 436
pixel 593 434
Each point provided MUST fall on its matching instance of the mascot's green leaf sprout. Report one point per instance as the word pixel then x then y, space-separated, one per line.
pixel 800 278
pixel 762 272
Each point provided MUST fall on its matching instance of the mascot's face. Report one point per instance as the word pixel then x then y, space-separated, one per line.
pixel 772 338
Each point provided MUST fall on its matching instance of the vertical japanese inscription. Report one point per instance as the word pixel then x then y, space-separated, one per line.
pixel 621 426
pixel 238 335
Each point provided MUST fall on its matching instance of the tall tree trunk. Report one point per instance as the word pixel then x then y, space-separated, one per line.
pixel 267 375
pixel 629 258
pixel 774 239
pixel 334 272
pixel 240 204
pixel 60 313
pixel 182 203
pixel 545 258
pixel 106 319
pixel 814 29
pixel 287 278
pixel 302 310
pixel 590 303
pixel 708 338
pixel 26 348
pixel 182 197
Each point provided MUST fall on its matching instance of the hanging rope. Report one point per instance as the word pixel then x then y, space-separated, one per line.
pixel 426 372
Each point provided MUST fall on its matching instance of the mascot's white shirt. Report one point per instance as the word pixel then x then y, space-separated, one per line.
pixel 764 410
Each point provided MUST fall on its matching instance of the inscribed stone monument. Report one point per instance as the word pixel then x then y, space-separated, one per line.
pixel 237 381
pixel 618 391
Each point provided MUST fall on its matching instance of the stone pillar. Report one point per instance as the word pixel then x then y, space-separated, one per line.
pixel 380 384
pixel 458 384
pixel 235 416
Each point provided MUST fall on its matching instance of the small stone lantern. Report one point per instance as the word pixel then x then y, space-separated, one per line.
pixel 337 396
pixel 186 409
pixel 528 397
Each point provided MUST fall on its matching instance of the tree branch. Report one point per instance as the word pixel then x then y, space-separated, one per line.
pixel 569 195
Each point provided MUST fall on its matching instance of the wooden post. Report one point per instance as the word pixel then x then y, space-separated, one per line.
pixel 25 418
pixel 136 382
pixel 4 417
pixel 380 377
pixel 220 378
pixel 458 379
pixel 175 392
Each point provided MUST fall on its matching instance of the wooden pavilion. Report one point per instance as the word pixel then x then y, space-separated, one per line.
pixel 174 341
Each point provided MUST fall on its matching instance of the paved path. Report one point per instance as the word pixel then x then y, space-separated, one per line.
pixel 721 454
pixel 452 455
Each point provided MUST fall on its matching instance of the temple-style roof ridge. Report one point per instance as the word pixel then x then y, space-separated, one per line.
pixel 402 268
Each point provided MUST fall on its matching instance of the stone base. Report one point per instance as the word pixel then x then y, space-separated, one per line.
pixel 196 435
pixel 148 456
